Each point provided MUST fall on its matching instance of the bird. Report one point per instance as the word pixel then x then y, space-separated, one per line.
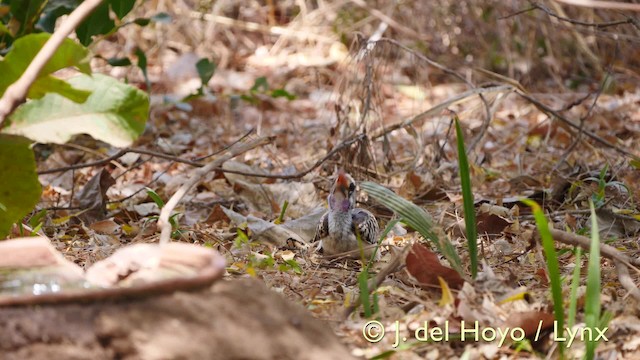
pixel 338 226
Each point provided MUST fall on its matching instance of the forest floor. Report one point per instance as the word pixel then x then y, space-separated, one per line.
pixel 542 138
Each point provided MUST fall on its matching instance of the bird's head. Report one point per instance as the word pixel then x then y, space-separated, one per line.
pixel 343 193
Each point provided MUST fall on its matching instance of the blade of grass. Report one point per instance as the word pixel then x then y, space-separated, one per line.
pixel 552 264
pixel 592 302
pixel 467 200
pixel 280 218
pixel 416 218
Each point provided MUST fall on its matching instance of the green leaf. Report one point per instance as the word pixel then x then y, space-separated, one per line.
pixel 467 199
pixel 26 13
pixel 552 263
pixel 52 11
pixel 282 93
pixel 260 84
pixel 415 217
pixel 142 64
pixel 155 197
pixel 25 49
pixel 97 23
pixel 122 7
pixel 142 21
pixel 205 70
pixel 19 186
pixel 115 113
pixel 592 301
pixel 119 61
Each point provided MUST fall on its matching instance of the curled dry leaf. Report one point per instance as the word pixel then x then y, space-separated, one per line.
pixel 425 267
pixel 300 230
pixel 93 197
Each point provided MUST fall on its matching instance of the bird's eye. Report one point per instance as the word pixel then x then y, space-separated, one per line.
pixel 352 187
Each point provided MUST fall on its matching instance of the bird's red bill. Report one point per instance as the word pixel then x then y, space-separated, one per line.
pixel 342 179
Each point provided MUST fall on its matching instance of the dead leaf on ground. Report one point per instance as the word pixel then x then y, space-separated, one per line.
pixel 425 267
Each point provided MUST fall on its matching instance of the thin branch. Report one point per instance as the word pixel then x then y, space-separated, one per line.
pixel 607 251
pixel 547 110
pixel 17 92
pixel 578 22
pixel 608 5
pixel 626 281
pixel 163 220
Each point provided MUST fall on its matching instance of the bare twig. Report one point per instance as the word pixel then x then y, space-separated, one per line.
pixel 17 92
pixel 609 5
pixel 547 110
pixel 163 220
pixel 578 138
pixel 119 154
pixel 578 22
pixel 607 251
pixel 438 108
pixel 626 281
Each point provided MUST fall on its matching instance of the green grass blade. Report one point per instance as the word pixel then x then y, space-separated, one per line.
pixel 363 285
pixel 416 218
pixel 592 302
pixel 552 263
pixel 155 197
pixel 575 283
pixel 467 199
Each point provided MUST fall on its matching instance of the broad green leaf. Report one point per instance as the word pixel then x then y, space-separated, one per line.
pixel 205 70
pixel 19 186
pixel 25 49
pixel 467 199
pixel 415 217
pixel 97 23
pixel 122 7
pixel 53 10
pixel 114 112
pixel 26 13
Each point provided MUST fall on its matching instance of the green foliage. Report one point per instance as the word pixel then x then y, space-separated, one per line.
pixel 261 87
pixel 142 64
pixel 552 263
pixel 205 69
pixel 99 106
pixel 53 10
pixel 100 23
pixel 173 219
pixel 592 302
pixel 114 112
pixel 280 218
pixel 415 217
pixel 19 186
pixel 25 49
pixel 370 305
pixel 467 199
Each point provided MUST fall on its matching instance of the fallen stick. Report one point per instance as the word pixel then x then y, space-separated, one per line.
pixel 163 221
pixel 607 251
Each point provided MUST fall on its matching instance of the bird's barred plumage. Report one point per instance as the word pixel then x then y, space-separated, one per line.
pixel 338 226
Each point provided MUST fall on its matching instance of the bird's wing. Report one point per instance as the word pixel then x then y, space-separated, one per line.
pixel 323 228
pixel 367 225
